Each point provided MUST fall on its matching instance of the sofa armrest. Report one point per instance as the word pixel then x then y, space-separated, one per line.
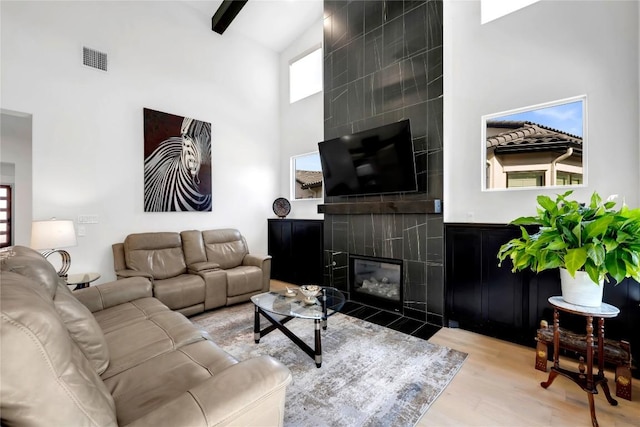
pixel 99 297
pixel 255 260
pixel 197 267
pixel 249 393
pixel 123 274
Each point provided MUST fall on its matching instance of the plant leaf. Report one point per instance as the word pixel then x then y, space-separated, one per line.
pixel 575 259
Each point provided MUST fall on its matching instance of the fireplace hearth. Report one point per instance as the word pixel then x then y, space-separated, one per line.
pixel 376 281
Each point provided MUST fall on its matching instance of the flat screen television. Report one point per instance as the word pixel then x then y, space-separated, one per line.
pixel 375 161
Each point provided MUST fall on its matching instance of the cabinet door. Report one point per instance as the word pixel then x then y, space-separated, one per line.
pixel 307 252
pixel 463 275
pixel 280 246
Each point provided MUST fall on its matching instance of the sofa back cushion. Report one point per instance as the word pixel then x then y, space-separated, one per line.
pixel 158 254
pixel 45 376
pixel 226 247
pixel 32 264
pixel 80 323
pixel 83 328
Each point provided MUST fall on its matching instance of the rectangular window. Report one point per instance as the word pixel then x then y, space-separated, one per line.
pixel 566 178
pixel 5 216
pixel 525 179
pixel 305 76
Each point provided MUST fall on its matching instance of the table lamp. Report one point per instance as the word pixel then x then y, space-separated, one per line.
pixel 49 235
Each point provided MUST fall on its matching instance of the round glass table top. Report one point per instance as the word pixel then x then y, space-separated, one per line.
pixel 295 304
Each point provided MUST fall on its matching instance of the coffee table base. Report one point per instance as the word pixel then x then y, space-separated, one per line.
pixel 315 354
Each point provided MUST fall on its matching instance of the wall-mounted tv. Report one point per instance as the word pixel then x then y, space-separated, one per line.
pixel 374 161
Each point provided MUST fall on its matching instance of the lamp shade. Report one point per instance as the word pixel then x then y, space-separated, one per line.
pixel 53 234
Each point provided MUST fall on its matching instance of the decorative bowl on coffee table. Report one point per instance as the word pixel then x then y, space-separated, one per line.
pixel 309 292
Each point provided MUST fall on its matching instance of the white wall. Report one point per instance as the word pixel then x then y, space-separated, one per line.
pixel 15 150
pixel 301 123
pixel 87 124
pixel 544 52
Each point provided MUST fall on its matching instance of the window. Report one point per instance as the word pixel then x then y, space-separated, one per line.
pixel 525 179
pixel 567 178
pixel 305 76
pixel 5 216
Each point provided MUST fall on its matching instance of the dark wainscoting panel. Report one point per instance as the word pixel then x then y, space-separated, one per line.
pixel 491 300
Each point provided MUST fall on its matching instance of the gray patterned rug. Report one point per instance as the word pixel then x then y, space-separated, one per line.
pixel 370 375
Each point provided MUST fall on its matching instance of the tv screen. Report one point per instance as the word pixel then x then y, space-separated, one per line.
pixel 373 161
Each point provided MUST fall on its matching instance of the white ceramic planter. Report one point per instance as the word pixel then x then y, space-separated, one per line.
pixel 580 290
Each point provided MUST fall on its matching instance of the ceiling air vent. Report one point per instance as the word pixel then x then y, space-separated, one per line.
pixel 95 59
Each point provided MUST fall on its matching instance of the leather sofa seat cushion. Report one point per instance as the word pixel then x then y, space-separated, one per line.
pixel 225 247
pixel 83 328
pixel 45 377
pixel 157 254
pixel 244 279
pixel 138 342
pixel 166 377
pixel 119 316
pixel 179 292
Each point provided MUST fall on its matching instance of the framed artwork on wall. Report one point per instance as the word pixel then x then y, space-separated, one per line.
pixel 177 163
pixel 542 145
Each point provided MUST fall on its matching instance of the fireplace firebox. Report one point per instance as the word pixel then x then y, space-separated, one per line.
pixel 376 281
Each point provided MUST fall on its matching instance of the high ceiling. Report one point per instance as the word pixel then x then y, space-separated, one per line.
pixel 272 23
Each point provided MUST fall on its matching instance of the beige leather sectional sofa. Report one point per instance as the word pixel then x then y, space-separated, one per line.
pixel 193 271
pixel 113 355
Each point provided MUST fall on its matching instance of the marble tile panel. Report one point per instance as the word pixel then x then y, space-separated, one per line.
pixel 414 79
pixel 435 290
pixel 435 77
pixel 415 237
pixel 340 106
pixel 339 29
pixel 355 59
pixel 434 124
pixel 373 95
pixel 392 9
pixel 355 100
pixel 415 30
pixel 355 19
pixel 393 42
pixel 339 67
pixel 373 15
pixel 434 15
pixel 391 81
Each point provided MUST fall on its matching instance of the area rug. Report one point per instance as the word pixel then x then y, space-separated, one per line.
pixel 370 375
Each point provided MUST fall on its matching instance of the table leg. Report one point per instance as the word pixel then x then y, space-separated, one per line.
pixel 318 349
pixel 324 309
pixel 556 338
pixel 603 380
pixel 592 409
pixel 256 325
pixel 590 354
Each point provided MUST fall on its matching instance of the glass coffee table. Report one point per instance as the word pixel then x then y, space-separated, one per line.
pixel 328 302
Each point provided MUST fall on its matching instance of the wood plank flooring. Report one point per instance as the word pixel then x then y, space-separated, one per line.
pixel 498 386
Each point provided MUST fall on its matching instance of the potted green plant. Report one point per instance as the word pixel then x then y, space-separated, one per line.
pixel 589 243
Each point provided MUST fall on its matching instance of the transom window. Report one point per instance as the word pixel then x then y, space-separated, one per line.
pixel 305 76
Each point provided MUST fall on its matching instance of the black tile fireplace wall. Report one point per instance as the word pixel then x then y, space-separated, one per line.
pixel 382 64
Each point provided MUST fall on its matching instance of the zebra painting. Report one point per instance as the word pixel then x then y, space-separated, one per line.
pixel 177 163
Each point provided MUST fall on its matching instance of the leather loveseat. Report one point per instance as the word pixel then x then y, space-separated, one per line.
pixel 193 271
pixel 113 355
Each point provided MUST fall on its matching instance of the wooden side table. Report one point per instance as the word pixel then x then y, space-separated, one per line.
pixel 586 379
pixel 81 280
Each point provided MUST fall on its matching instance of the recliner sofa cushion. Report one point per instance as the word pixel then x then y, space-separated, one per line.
pixel 166 376
pixel 45 376
pixel 226 247
pixel 158 254
pixel 83 328
pixel 181 291
pixel 244 279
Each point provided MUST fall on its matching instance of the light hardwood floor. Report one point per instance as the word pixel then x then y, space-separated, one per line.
pixel 498 386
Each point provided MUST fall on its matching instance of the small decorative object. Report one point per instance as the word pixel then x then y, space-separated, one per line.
pixel 290 292
pixel 281 207
pixel 309 291
pixel 591 243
